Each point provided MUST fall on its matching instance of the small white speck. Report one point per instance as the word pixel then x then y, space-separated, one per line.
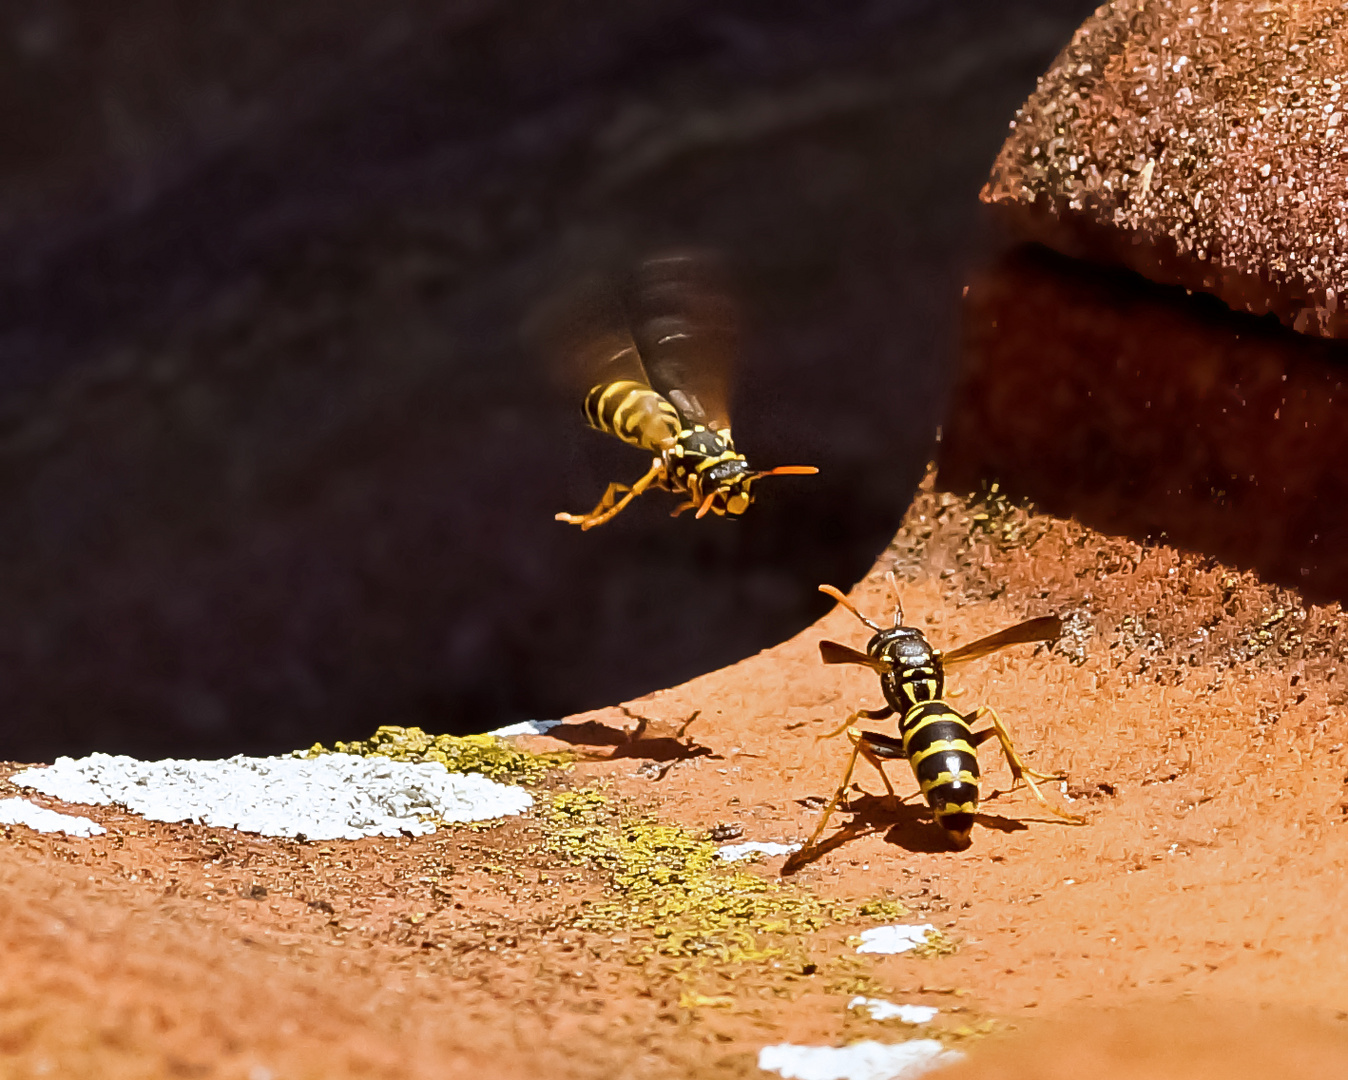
pixel 880 1009
pixel 898 938
pixel 868 1060
pixel 731 852
pixel 1145 177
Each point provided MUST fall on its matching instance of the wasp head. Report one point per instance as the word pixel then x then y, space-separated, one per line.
pixel 903 647
pixel 727 487
pixel 716 476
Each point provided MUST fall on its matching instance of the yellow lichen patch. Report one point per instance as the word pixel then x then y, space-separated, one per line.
pixel 1006 523
pixel 577 804
pixel 936 944
pixel 668 881
pixel 882 908
pixel 486 754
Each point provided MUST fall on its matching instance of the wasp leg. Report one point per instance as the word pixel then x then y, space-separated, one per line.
pixel 833 803
pixel 1019 770
pixel 610 505
pixel 867 749
pixel 860 714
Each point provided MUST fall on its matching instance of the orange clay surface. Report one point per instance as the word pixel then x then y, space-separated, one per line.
pixel 1191 929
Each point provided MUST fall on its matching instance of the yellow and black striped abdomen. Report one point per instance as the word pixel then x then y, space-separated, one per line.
pixel 634 413
pixel 940 748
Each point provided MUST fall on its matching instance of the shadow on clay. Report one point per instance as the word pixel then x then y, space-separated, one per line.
pixel 1145 412
pixel 632 744
pixel 911 826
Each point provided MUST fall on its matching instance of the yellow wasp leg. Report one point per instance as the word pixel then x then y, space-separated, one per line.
pixel 859 749
pixel 860 714
pixel 1019 770
pixel 837 798
pixel 610 505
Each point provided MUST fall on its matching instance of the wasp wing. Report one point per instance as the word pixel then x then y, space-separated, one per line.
pixel 685 326
pixel 1044 628
pixel 833 653
pixel 582 332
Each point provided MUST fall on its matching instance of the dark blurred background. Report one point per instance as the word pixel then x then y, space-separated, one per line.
pixel 277 465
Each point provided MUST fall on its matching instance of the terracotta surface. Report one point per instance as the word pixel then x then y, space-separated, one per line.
pixel 1197 712
pixel 1199 144
pixel 1145 412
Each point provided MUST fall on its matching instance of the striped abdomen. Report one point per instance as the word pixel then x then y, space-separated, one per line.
pixel 939 744
pixel 634 413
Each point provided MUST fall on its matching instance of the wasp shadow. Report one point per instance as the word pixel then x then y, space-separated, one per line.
pixel 909 825
pixel 1146 412
pixel 630 744
pixel 852 830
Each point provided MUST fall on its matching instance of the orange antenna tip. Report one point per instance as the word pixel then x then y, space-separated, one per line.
pixel 829 590
pixel 791 470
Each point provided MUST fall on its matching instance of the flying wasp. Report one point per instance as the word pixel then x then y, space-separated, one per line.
pixel 938 740
pixel 661 383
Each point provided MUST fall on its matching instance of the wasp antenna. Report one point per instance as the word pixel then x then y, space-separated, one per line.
pixel 898 600
pixel 829 590
pixel 788 470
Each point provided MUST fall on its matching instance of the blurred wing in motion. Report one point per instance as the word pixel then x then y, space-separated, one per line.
pixel 582 332
pixel 685 326
pixel 1044 628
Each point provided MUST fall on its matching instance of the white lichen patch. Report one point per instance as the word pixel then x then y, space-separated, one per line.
pixel 867 1060
pixel 525 727
pixel 880 1009
pixel 732 852
pixel 39 818
pixel 332 797
pixel 894 939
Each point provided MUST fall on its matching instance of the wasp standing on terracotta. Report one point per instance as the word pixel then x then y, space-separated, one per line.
pixel 938 740
pixel 662 384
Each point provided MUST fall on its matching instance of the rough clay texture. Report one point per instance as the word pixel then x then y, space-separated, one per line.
pixel 1192 930
pixel 1141 411
pixel 334 797
pixel 1201 144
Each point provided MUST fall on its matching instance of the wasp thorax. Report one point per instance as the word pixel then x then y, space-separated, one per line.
pixel 903 646
pixel 704 442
